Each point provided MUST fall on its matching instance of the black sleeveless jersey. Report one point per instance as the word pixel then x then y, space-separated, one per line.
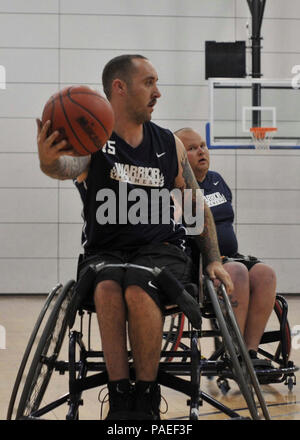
pixel 126 196
pixel 219 198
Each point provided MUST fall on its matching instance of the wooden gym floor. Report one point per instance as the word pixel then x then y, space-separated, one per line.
pixel 18 315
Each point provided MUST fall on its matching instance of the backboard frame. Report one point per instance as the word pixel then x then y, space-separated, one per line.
pixel 245 141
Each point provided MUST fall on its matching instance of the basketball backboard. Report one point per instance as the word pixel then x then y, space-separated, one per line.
pixel 236 105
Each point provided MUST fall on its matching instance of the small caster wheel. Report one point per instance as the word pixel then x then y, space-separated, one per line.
pixel 194 414
pixel 223 386
pixel 290 382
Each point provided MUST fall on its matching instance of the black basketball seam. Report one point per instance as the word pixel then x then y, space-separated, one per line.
pixel 66 116
pixel 53 106
pixel 79 92
pixel 91 114
pixel 86 93
pixel 83 92
pixel 96 94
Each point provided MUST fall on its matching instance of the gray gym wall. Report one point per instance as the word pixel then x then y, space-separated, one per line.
pixel 46 45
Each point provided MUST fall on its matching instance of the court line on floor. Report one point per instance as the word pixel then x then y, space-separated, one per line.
pixel 245 409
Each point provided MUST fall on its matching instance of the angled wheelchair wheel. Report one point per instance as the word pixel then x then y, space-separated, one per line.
pixel 172 335
pixel 47 352
pixel 285 346
pixel 282 336
pixel 238 357
pixel 32 343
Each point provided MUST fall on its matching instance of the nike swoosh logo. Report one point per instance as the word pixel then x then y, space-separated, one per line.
pixel 152 285
pixel 160 154
pixel 216 183
pixel 118 389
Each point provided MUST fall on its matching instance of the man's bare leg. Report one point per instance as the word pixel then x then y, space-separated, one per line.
pixel 145 325
pixel 240 296
pixel 262 298
pixel 111 314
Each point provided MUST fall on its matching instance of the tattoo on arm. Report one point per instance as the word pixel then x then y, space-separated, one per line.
pixel 207 241
pixel 187 179
pixel 66 167
pixel 187 173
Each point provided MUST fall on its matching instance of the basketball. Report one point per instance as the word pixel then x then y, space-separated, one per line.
pixel 83 117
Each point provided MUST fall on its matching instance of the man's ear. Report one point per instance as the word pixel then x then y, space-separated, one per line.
pixel 119 86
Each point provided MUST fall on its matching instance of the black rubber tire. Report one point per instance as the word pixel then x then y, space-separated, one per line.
pixel 48 349
pixel 32 340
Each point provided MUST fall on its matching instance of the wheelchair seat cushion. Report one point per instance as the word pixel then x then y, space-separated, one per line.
pixel 182 296
pixel 150 256
pixel 248 260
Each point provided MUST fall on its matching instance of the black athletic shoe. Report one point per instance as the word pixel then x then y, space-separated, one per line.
pixel 265 371
pixel 147 401
pixel 259 363
pixel 121 400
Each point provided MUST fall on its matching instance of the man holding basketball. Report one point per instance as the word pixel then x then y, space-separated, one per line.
pixel 139 154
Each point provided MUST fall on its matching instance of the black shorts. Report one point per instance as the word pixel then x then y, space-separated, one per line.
pixel 152 255
pixel 247 260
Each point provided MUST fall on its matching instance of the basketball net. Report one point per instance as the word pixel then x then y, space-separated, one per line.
pixel 262 137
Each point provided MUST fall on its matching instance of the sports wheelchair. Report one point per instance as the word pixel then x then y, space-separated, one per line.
pixel 181 365
pixel 278 342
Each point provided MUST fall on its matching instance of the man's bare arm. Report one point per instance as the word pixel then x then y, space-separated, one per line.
pixel 66 167
pixel 56 160
pixel 207 241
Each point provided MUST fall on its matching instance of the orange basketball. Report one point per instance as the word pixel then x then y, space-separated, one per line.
pixel 82 116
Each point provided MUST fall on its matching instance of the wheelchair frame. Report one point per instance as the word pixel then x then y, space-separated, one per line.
pixel 283 370
pixel 45 360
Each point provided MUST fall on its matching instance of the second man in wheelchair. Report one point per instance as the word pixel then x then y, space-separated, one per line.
pixel 254 282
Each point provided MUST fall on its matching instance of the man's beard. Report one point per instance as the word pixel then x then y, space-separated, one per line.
pixel 139 117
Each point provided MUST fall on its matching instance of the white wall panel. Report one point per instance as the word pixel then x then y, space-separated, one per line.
pixel 67 269
pixel 266 241
pixel 174 125
pixel 70 206
pixel 23 171
pixel 279 65
pixel 285 273
pixel 68 183
pixel 273 207
pixel 28 275
pixel 21 65
pixel 28 240
pixel 268 172
pixel 34 6
pixel 70 240
pixel 181 102
pixel 25 100
pixel 159 33
pixel 85 66
pixel 28 30
pixel 28 205
pixel 212 8
pixel 17 135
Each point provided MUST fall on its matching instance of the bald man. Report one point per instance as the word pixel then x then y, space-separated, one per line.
pixel 254 282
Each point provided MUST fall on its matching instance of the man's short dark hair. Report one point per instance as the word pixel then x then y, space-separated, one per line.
pixel 119 67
